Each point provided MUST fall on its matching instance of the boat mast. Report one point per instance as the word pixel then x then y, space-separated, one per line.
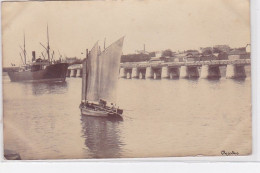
pixel 85 97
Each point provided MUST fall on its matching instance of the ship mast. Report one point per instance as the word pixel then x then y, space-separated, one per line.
pixel 24 51
pixel 48 44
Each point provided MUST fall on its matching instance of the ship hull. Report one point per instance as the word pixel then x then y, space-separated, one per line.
pixel 54 72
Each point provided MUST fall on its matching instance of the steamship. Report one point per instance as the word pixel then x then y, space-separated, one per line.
pixel 39 70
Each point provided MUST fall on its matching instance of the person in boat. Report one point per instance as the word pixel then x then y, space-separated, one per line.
pixel 86 104
pixel 113 107
pixel 102 103
pixel 91 105
pixel 82 104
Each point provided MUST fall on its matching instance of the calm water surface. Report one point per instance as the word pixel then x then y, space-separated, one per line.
pixel 161 118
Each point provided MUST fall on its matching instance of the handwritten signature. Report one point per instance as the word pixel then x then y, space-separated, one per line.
pixel 229 153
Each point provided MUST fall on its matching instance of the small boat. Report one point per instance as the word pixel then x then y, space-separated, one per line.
pixel 99 81
pixel 39 70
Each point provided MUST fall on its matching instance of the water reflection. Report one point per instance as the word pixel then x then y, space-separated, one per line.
pixel 48 88
pixel 239 80
pixel 102 136
pixel 213 78
pixel 163 117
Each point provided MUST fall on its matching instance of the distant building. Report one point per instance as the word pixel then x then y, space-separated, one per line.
pixel 238 53
pixel 158 54
pixel 192 53
pixel 154 59
pixel 208 57
pixel 135 57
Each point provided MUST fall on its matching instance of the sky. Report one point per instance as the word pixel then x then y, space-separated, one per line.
pixel 75 26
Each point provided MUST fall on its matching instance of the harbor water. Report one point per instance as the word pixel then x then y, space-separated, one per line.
pixel 162 118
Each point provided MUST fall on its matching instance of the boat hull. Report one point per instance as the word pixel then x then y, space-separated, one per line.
pixel 54 72
pixel 86 111
pixel 95 113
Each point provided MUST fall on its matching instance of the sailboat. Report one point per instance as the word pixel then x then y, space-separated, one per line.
pixel 39 70
pixel 99 81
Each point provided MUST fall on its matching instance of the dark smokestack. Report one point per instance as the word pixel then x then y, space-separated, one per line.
pixel 33 56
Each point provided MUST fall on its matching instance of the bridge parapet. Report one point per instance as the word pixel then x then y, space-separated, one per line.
pixel 189 63
pixel 75 66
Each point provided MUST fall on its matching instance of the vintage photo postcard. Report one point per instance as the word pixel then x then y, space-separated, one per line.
pixel 126 79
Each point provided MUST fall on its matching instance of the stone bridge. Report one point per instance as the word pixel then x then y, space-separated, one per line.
pixel 156 70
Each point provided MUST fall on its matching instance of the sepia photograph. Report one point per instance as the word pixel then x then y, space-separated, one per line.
pixel 126 79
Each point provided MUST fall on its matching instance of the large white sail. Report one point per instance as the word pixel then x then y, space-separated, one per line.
pixel 109 64
pixel 93 74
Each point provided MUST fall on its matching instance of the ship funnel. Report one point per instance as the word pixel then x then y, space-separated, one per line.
pixel 33 56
